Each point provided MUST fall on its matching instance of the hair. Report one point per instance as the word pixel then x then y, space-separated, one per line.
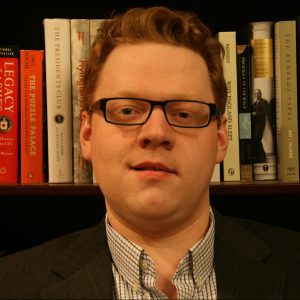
pixel 159 25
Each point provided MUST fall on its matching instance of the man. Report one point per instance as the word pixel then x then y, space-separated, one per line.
pixel 260 112
pixel 153 128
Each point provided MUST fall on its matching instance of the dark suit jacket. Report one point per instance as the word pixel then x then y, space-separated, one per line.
pixel 252 261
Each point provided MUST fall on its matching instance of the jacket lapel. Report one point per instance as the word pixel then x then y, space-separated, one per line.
pixel 83 271
pixel 239 264
pixel 94 281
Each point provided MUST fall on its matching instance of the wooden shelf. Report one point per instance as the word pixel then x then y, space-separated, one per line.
pixel 46 189
pixel 216 189
pixel 255 188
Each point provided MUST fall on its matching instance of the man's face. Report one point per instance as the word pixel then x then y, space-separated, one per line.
pixel 257 94
pixel 153 175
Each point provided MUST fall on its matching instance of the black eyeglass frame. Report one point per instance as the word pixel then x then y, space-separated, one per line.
pixel 100 104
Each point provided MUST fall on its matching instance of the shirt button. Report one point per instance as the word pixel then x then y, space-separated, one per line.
pixel 135 287
pixel 199 281
pixel 144 265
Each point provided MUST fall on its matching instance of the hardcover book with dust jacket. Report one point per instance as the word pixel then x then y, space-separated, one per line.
pixel 263 102
pixel 32 114
pixel 9 114
pixel 58 87
pixel 80 43
pixel 286 101
pixel 231 163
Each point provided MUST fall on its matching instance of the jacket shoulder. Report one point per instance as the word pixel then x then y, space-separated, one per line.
pixel 275 237
pixel 26 273
pixel 284 252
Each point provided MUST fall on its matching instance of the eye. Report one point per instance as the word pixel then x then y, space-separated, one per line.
pixel 188 113
pixel 183 114
pixel 126 111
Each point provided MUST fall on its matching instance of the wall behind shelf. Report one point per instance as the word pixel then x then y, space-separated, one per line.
pixel 23 26
pixel 29 220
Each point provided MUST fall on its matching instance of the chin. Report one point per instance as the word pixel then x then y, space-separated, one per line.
pixel 156 210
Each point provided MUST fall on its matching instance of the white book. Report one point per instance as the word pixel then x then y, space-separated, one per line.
pixel 58 90
pixel 263 110
pixel 94 178
pixel 80 43
pixel 216 176
pixel 286 101
pixel 94 26
pixel 231 163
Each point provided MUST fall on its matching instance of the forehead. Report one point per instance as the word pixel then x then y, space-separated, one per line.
pixel 152 70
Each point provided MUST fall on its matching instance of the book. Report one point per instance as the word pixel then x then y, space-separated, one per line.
pixel 231 162
pixel 94 26
pixel 244 108
pixel 216 176
pixel 9 114
pixel 298 76
pixel 80 43
pixel 260 36
pixel 58 89
pixel 31 123
pixel 286 101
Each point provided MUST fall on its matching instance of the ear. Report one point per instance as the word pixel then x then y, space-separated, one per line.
pixel 222 140
pixel 85 135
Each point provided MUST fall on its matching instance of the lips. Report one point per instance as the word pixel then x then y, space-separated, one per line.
pixel 153 166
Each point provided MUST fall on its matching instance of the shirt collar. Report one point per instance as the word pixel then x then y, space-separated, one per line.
pixel 125 255
pixel 128 257
pixel 202 253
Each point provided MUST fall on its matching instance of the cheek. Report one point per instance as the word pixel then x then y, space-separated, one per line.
pixel 203 153
pixel 104 162
pixel 104 149
pixel 108 151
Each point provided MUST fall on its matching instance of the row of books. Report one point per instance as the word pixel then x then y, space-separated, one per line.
pixel 49 119
pixel 260 69
pixel 40 95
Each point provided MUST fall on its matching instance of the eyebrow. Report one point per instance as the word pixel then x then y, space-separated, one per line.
pixel 125 93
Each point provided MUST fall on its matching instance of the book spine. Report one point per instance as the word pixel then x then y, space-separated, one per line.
pixel 80 42
pixel 263 106
pixel 231 163
pixel 298 77
pixel 58 88
pixel 94 26
pixel 244 107
pixel 216 176
pixel 31 95
pixel 286 101
pixel 9 114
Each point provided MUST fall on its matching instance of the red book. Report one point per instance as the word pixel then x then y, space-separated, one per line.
pixel 9 110
pixel 31 107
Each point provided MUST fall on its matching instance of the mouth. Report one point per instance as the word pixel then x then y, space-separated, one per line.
pixel 153 167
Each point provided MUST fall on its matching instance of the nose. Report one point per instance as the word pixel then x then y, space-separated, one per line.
pixel 156 132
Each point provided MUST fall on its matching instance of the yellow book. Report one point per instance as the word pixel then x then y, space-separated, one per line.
pixel 231 163
pixel 286 101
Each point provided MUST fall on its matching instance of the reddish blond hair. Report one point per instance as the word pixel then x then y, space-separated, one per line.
pixel 160 25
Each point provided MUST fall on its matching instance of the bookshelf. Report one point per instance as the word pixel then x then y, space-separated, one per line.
pixel 255 189
pixel 30 214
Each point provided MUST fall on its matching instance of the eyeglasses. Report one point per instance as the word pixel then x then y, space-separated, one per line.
pixel 137 111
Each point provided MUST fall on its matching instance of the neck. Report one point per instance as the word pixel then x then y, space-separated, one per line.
pixel 168 252
pixel 167 247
